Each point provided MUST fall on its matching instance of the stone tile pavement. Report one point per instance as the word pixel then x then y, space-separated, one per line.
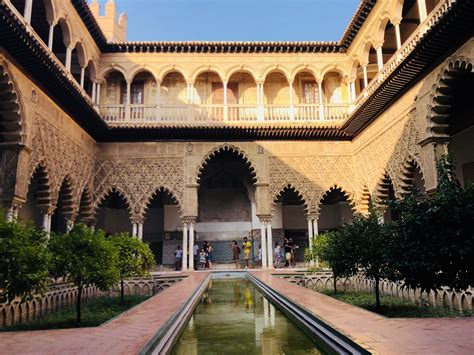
pixel 379 334
pixel 126 334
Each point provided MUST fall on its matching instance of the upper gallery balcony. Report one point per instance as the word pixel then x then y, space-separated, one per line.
pixel 209 99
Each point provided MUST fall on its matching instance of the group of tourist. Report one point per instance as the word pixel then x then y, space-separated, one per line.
pixel 203 254
pixel 287 254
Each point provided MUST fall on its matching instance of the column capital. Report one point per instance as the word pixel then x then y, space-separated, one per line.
pixel 189 219
pixel 265 218
pixel 312 216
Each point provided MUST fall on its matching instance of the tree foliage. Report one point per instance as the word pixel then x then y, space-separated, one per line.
pixel 372 242
pixel 84 258
pixel 436 235
pixel 334 248
pixel 24 261
pixel 134 258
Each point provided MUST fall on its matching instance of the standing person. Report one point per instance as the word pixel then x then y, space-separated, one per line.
pixel 178 258
pixel 204 245
pixel 209 255
pixel 293 247
pixel 259 255
pixel 196 256
pixel 277 254
pixel 246 247
pixel 235 253
pixel 287 249
pixel 202 259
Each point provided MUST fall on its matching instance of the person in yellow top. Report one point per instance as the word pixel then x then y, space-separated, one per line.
pixel 246 247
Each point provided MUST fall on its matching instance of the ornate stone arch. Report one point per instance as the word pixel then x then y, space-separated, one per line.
pixel 442 95
pixel 363 201
pixel 44 193
pixel 302 194
pixel 227 147
pixel 170 192
pixel 11 124
pixel 407 175
pixel 106 192
pixel 348 195
pixel 67 184
pixel 382 190
pixel 85 205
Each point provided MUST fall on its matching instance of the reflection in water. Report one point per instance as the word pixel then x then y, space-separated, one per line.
pixel 234 318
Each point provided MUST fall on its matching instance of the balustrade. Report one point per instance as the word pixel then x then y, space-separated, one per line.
pixel 121 114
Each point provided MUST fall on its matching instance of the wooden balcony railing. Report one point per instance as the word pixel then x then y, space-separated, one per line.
pixel 130 114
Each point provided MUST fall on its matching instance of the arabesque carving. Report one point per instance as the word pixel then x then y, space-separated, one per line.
pixel 138 179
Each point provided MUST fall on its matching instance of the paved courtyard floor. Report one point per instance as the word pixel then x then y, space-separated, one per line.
pixel 379 334
pixel 129 333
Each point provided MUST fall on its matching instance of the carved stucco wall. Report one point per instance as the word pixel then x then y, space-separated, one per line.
pixel 137 179
pixel 51 138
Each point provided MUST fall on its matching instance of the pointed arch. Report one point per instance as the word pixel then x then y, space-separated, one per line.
pixel 385 191
pixel 233 149
pixel 11 123
pixel 442 94
pixel 343 193
pixel 43 193
pixel 111 190
pixel 167 190
pixel 411 177
pixel 364 201
pixel 86 206
pixel 290 187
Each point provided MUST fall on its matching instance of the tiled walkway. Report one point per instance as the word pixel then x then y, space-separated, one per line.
pixel 127 334
pixel 379 334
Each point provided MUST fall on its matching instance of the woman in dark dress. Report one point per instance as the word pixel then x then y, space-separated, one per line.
pixel 235 253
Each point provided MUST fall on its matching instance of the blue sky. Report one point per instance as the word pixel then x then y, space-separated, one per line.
pixel 237 20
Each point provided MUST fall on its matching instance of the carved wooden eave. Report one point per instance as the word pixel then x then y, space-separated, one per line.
pixel 249 132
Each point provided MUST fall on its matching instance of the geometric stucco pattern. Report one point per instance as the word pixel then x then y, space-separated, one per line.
pixel 387 154
pixel 137 179
pixel 311 177
pixel 62 158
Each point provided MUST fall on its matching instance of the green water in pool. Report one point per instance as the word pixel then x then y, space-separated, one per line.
pixel 233 317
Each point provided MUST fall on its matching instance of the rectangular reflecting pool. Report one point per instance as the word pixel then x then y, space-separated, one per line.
pixel 233 317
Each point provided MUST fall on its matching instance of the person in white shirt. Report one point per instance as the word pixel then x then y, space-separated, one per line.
pixel 178 254
pixel 196 252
